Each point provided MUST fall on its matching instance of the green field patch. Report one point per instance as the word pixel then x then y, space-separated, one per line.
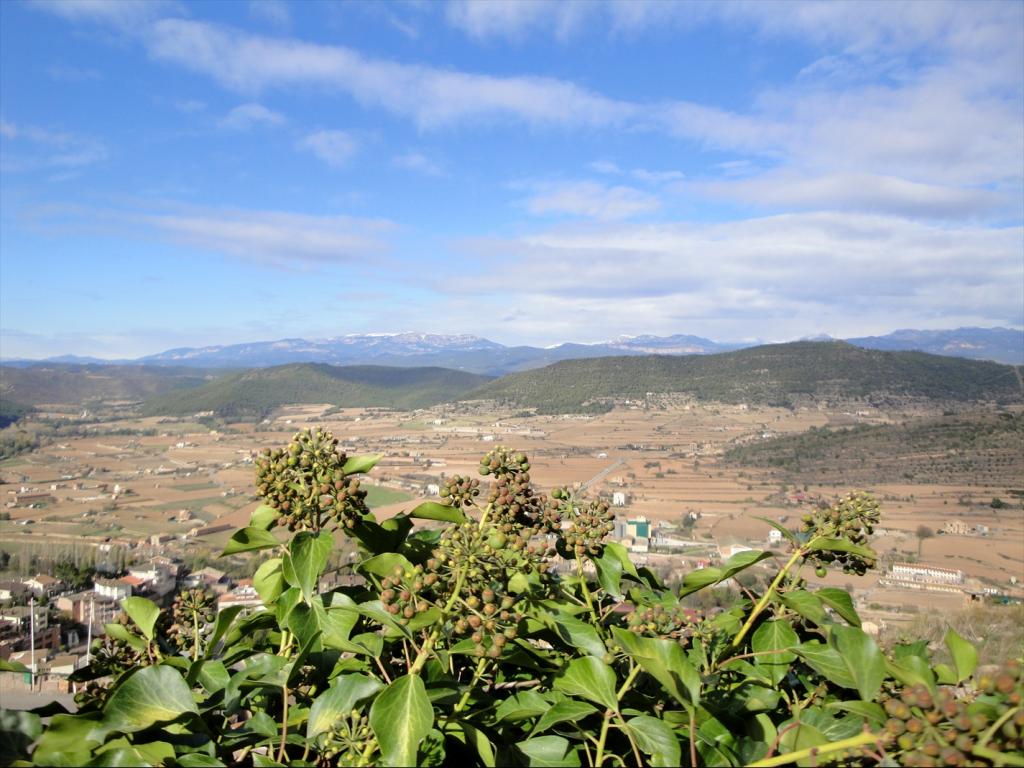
pixel 192 487
pixel 379 497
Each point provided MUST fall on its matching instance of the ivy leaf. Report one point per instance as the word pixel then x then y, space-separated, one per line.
pixel 862 658
pixel 143 612
pixel 68 739
pixel 841 545
pixel 338 701
pixel 827 662
pixel 657 739
pixel 699 579
pixel 549 751
pixel 807 604
pixel 401 717
pixel 357 465
pixel 521 706
pixel 306 560
pixel 913 670
pixel 965 655
pixel 268 581
pixel 117 757
pixel 665 661
pixel 263 517
pixel 743 560
pixel 576 634
pixel 13 666
pixel 478 739
pixel 589 678
pixel 431 510
pixel 248 540
pixel 609 572
pixel 840 602
pixel 17 732
pixel 385 564
pixel 774 636
pixel 224 620
pixel 152 695
pixel 568 710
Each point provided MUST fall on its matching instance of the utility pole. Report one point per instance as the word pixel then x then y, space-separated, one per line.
pixel 32 641
pixel 88 641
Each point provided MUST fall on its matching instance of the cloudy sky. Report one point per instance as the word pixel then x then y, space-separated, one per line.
pixel 183 174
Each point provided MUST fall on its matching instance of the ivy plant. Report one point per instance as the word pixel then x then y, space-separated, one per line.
pixel 501 626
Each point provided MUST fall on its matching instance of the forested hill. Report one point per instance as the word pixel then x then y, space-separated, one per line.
pixel 70 383
pixel 772 374
pixel 256 392
pixel 973 448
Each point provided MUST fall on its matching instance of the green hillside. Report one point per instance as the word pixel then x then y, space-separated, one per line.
pixel 773 374
pixel 980 448
pixel 256 392
pixel 11 411
pixel 70 383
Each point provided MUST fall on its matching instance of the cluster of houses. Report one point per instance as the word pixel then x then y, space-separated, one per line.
pixel 31 634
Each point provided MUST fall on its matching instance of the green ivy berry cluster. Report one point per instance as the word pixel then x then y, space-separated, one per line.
pixel 588 525
pixel 513 502
pixel 460 491
pixel 193 614
pixel 928 730
pixel 853 518
pixel 405 594
pixel 306 483
pixel 347 739
pixel 672 621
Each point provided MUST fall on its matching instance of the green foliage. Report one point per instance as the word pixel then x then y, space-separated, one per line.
pixel 769 375
pixel 495 635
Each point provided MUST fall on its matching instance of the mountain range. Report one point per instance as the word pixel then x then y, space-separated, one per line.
pixel 482 356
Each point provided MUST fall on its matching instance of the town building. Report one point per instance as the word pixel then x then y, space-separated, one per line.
pixel 926 574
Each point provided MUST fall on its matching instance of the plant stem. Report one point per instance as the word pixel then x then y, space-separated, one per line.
pixel 693 736
pixel 861 740
pixel 629 681
pixel 767 596
pixel 599 757
pixel 284 723
pixel 195 636
pixel 586 593
pixel 477 674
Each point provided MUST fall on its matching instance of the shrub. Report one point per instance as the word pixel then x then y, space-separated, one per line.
pixel 510 631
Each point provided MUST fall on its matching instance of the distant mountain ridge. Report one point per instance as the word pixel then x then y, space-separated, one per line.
pixel 478 355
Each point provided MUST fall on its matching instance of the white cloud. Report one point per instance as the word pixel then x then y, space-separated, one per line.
pixel 32 148
pixel 432 97
pixel 855 191
pixel 590 200
pixel 125 15
pixel 515 20
pixel 274 12
pixel 246 116
pixel 333 147
pixel 780 274
pixel 604 166
pixel 275 238
pixel 945 131
pixel 414 161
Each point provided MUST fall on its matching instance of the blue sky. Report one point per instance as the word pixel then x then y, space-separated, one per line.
pixel 184 174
